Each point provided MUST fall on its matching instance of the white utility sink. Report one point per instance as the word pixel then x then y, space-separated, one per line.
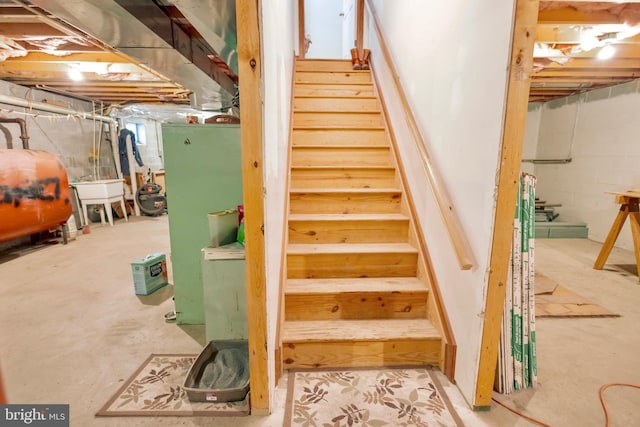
pixel 101 192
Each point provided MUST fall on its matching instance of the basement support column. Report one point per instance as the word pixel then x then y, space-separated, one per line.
pixel 250 78
pixel 515 116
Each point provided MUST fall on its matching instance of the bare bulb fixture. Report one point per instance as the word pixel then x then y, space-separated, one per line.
pixel 75 75
pixel 606 52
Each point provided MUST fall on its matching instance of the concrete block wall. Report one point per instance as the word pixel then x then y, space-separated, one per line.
pixel 70 138
pixel 600 132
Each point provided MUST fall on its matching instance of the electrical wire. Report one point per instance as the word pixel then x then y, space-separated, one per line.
pixel 604 405
pixel 600 395
pixel 526 417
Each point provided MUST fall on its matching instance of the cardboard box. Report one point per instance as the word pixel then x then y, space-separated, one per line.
pixel 223 227
pixel 149 273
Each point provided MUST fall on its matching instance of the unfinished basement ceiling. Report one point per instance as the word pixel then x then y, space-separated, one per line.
pixel 123 51
pixel 184 51
pixel 570 36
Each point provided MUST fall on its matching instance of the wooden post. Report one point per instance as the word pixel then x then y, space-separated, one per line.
pixel 250 75
pixel 301 46
pixel 359 26
pixel 520 66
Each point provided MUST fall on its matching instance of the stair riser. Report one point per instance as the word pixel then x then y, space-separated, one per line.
pixel 356 305
pixel 361 353
pixel 343 178
pixel 348 231
pixel 336 104
pixel 332 90
pixel 341 156
pixel 344 203
pixel 333 120
pixel 340 137
pixel 316 65
pixel 339 77
pixel 307 266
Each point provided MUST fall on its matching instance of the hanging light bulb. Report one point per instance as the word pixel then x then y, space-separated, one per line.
pixel 75 74
pixel 606 52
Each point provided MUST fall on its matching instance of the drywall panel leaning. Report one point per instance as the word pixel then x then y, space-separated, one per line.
pixel 517 362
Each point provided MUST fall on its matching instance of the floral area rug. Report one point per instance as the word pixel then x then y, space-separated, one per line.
pixel 379 397
pixel 155 389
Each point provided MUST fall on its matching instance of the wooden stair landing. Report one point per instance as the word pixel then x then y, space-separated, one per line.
pixel 352 295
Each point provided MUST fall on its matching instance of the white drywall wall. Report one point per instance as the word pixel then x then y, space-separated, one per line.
pixel 452 59
pixel 323 24
pixel 600 131
pixel 278 40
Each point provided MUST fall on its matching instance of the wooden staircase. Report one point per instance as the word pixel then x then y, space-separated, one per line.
pixel 357 293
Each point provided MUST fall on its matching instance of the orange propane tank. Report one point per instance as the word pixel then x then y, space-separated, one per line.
pixel 34 193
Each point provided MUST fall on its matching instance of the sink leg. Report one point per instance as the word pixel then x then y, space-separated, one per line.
pixel 102 215
pixel 84 214
pixel 107 207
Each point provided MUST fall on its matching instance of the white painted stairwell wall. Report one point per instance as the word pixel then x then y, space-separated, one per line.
pixel 452 59
pixel 278 40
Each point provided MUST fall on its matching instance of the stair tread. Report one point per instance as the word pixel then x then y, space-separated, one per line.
pixel 343 147
pixel 346 83
pixel 334 71
pixel 362 167
pixel 331 127
pixel 345 190
pixel 337 96
pixel 348 217
pixel 347 248
pixel 365 330
pixel 345 285
pixel 334 112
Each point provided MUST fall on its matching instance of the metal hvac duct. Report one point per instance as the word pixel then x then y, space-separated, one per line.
pixel 140 29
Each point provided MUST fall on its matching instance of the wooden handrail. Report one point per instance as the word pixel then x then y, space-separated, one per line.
pixel 454 229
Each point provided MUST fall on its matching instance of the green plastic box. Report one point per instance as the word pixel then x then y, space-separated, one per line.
pixel 149 273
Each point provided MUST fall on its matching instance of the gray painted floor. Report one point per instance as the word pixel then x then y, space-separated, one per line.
pixel 72 330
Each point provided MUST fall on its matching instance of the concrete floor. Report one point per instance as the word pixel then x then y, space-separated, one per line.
pixel 73 330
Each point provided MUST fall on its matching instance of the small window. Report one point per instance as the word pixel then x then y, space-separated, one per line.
pixel 139 131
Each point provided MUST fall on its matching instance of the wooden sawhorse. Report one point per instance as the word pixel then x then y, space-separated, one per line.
pixel 628 202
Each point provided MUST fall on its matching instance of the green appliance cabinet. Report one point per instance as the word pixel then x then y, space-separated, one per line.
pixel 202 174
pixel 224 286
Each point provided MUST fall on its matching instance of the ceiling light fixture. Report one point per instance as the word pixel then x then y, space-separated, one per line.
pixel 75 75
pixel 606 52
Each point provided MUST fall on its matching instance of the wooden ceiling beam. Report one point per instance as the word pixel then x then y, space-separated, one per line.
pixel 580 80
pixel 94 56
pixel 569 15
pixel 586 74
pixel 124 84
pixel 623 51
pixel 569 34
pixel 62 67
pixel 99 90
pixel 21 30
pixel 597 64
